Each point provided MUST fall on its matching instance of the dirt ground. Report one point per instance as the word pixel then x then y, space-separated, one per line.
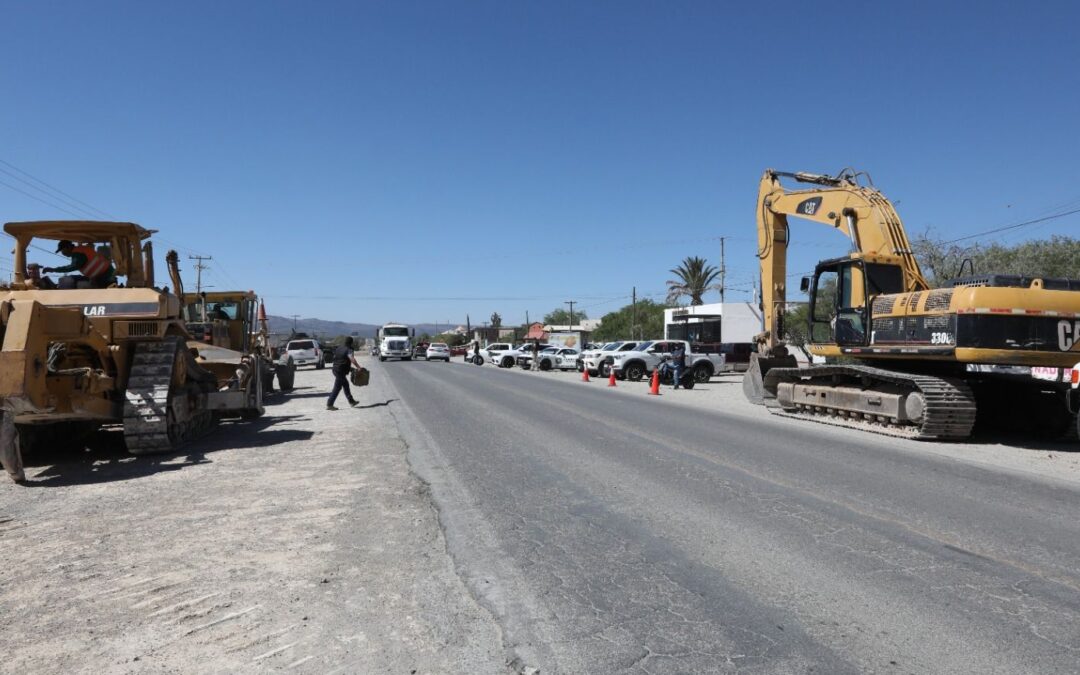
pixel 298 543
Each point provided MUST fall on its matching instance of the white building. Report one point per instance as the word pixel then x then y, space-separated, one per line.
pixel 714 323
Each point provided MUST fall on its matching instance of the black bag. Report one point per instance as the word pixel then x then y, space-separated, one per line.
pixel 360 377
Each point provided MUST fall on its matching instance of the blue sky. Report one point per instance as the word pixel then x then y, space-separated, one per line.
pixel 420 161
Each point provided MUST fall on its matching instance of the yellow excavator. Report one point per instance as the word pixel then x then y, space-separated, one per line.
pixel 902 358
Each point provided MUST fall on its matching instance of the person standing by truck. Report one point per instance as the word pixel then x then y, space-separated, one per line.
pixel 343 356
pixel 678 361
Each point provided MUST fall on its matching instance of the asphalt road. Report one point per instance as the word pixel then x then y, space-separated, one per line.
pixel 619 534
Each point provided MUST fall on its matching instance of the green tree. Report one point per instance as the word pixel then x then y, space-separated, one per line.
pixel 620 323
pixel 695 277
pixel 941 261
pixel 451 339
pixel 496 320
pixel 561 317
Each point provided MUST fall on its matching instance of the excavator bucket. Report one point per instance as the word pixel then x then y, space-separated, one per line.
pixel 753 380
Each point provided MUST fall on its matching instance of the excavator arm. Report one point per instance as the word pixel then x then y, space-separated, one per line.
pixel 861 213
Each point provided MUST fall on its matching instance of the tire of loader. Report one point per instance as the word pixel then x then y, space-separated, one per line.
pixel 10 454
pixel 286 377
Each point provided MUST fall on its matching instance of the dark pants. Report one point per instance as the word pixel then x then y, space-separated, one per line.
pixel 341 382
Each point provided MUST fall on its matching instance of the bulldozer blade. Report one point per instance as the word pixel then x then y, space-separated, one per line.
pixel 10 456
pixel 753 380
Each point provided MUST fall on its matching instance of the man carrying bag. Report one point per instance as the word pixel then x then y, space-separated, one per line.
pixel 343 358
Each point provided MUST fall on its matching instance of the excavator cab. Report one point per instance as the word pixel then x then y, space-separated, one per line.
pixel 841 296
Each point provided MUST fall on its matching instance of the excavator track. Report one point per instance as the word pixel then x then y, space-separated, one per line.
pixel 948 405
pixel 163 402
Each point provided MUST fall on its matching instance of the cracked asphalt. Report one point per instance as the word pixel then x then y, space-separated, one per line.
pixel 612 534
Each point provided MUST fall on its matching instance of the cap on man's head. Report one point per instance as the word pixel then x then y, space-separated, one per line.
pixel 65 243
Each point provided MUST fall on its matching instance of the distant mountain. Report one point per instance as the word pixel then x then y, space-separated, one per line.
pixel 281 325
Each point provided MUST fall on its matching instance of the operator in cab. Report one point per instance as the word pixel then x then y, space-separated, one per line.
pixel 94 267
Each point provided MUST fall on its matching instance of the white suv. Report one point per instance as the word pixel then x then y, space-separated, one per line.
pixel 495 352
pixel 305 353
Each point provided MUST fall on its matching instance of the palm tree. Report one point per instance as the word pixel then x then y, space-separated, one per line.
pixel 694 279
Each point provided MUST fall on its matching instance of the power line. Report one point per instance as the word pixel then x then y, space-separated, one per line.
pixel 51 195
pixel 1013 227
pixel 54 189
pixel 39 199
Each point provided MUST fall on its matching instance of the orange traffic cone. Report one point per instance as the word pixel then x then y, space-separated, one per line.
pixel 585 375
pixel 611 379
pixel 654 388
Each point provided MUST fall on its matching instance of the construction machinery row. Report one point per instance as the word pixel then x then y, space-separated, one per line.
pixel 149 359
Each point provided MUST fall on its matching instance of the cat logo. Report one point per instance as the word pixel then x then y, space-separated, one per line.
pixel 808 207
pixel 93 310
pixel 1068 335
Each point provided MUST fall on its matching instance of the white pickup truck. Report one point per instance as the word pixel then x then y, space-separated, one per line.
pixel 506 358
pixel 634 364
pixel 598 363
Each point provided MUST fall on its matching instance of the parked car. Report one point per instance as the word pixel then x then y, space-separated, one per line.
pixel 592 350
pixel 494 353
pixel 599 363
pixel 305 353
pixel 508 357
pixel 420 351
pixel 327 353
pixel 438 351
pixel 560 358
pixel 647 356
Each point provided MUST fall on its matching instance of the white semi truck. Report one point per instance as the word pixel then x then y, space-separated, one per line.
pixel 395 342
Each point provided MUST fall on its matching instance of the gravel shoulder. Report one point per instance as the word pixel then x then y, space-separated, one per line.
pixel 301 542
pixel 1055 461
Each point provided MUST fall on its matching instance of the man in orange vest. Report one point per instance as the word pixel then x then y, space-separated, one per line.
pixel 93 266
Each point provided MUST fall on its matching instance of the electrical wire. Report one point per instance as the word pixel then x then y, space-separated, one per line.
pixel 56 190
pixel 1013 227
pixel 39 199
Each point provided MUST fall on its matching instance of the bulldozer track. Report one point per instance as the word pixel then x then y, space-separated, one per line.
pixel 948 412
pixel 150 423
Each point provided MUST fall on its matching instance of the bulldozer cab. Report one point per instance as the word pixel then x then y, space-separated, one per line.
pixel 225 319
pixel 124 244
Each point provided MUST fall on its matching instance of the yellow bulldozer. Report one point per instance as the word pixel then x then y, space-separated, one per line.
pixel 227 325
pixel 904 358
pixel 76 356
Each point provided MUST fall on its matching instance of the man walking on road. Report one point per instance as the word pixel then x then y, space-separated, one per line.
pixel 678 361
pixel 343 355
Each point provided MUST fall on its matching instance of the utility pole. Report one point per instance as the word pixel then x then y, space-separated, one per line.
pixel 294 318
pixel 199 266
pixel 633 311
pixel 571 303
pixel 723 269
